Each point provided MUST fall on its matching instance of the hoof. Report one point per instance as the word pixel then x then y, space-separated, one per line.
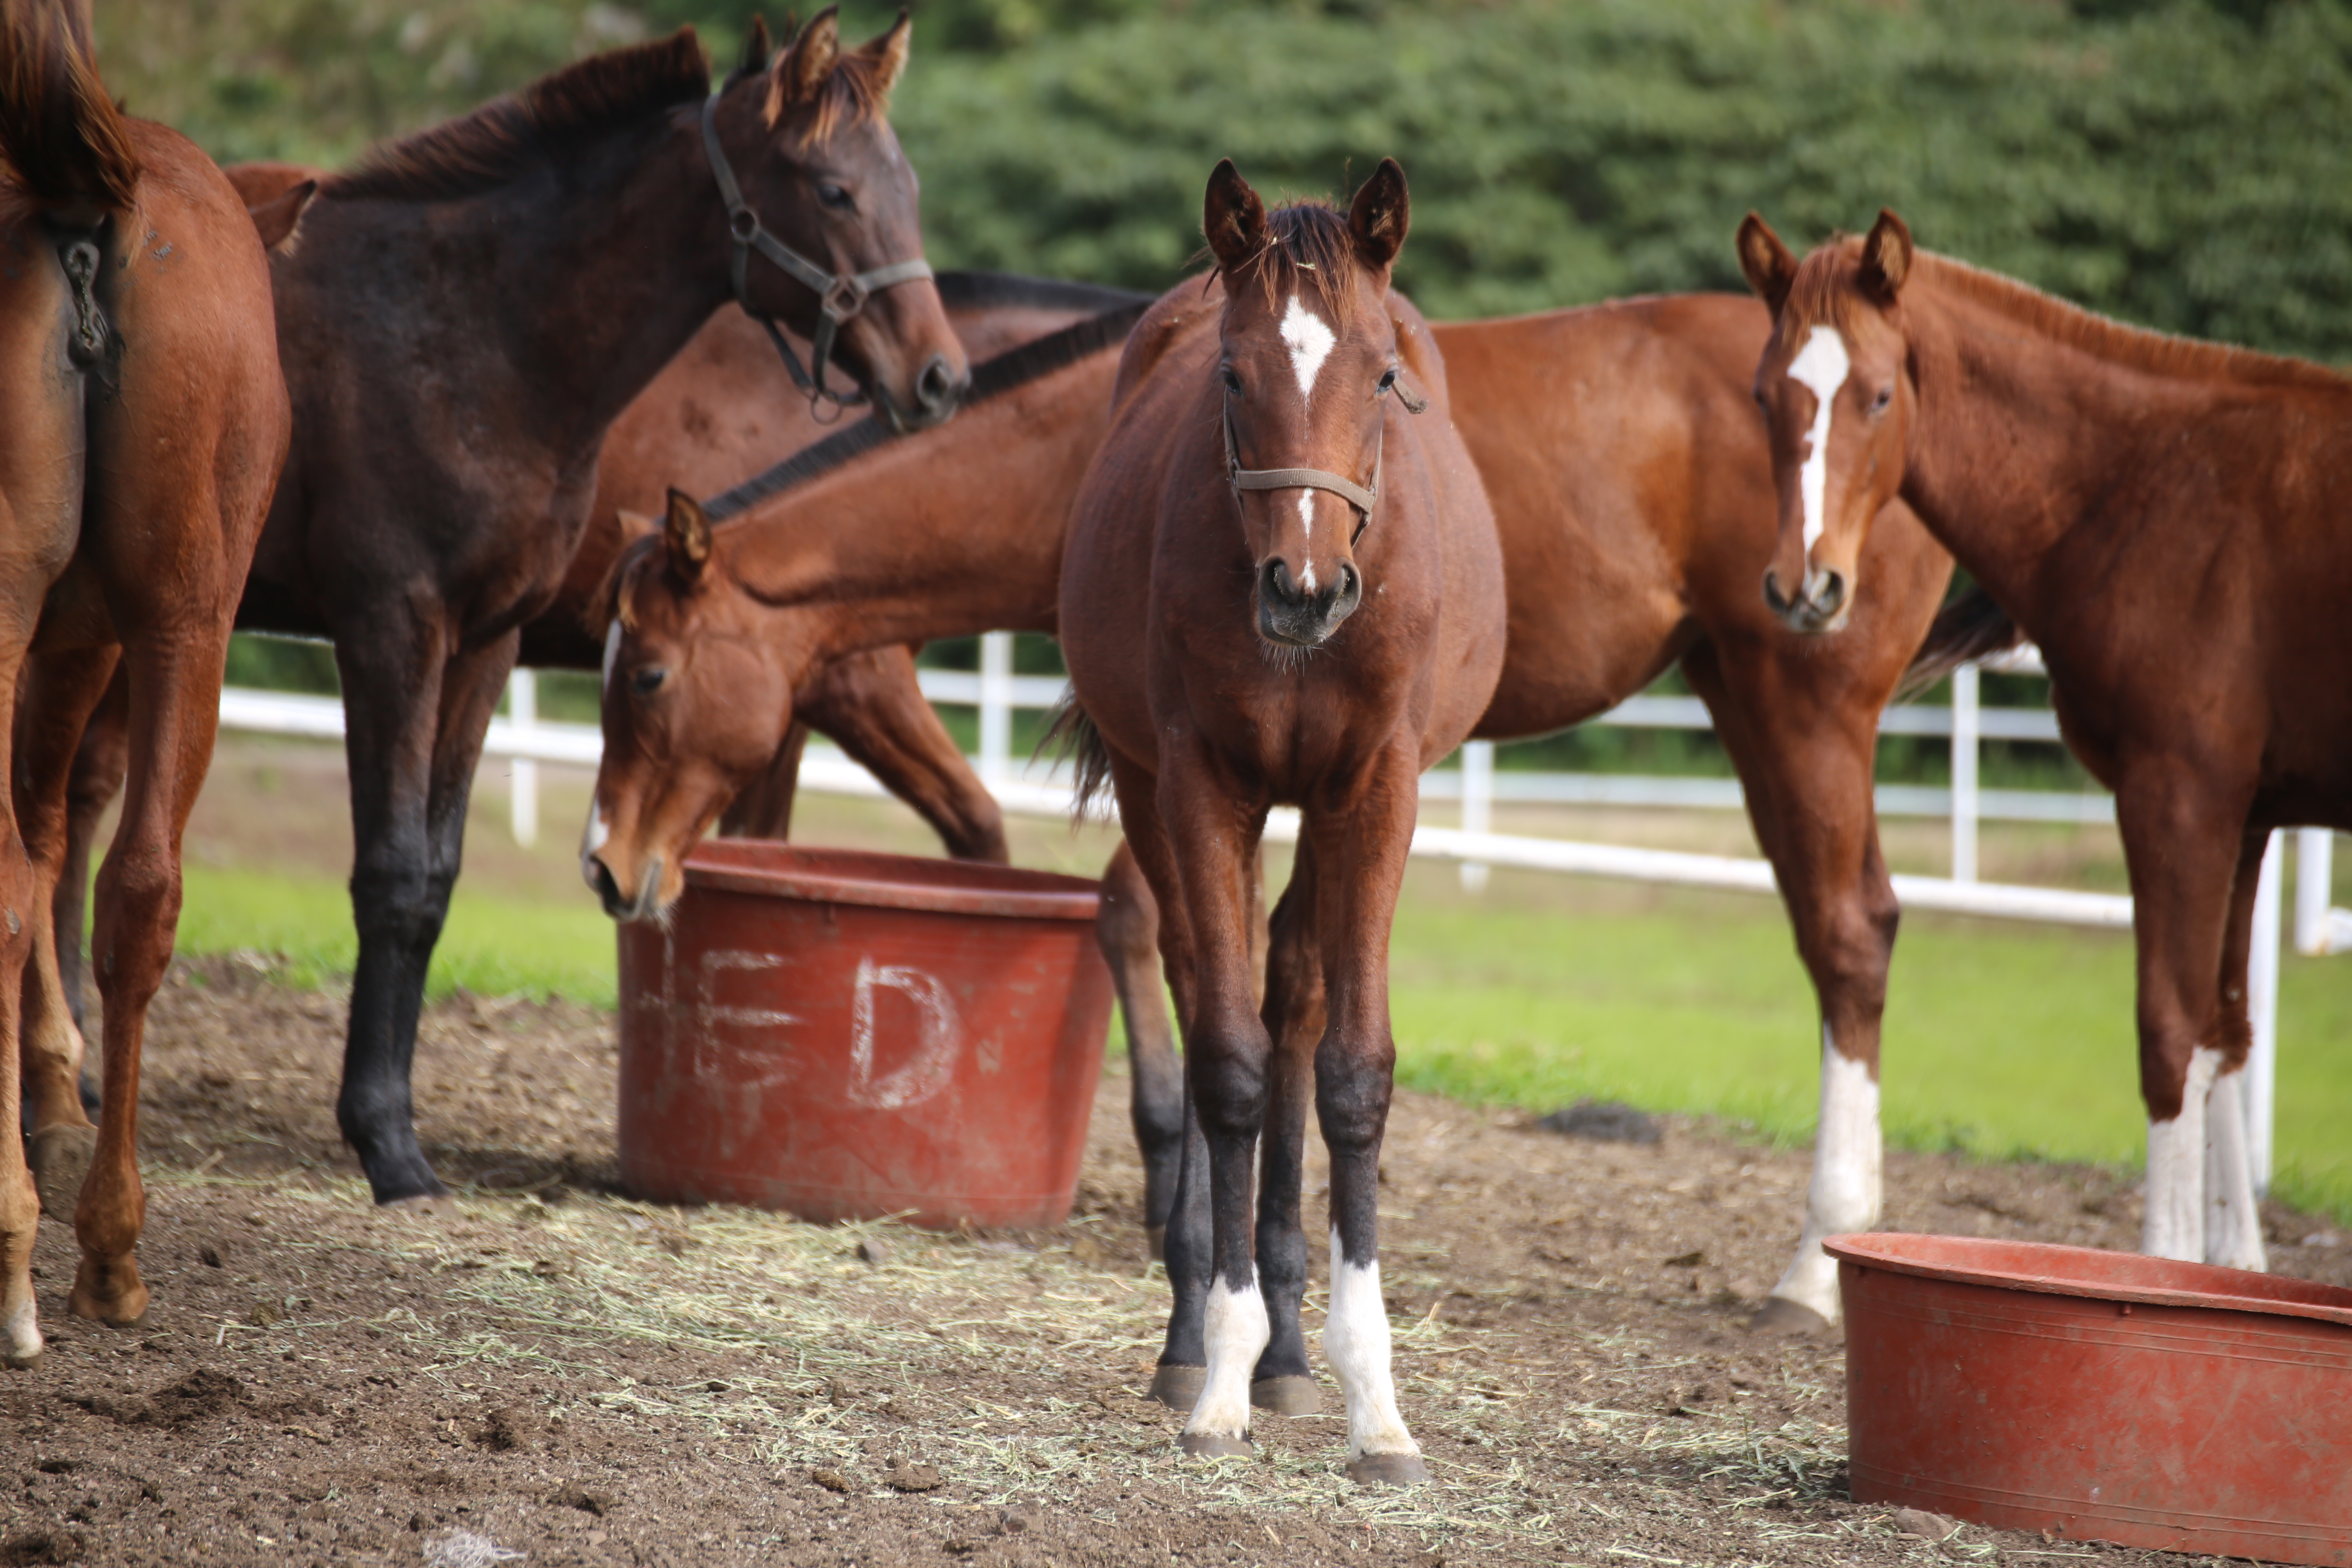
pixel 1216 1446
pixel 113 1295
pixel 1291 1396
pixel 109 1314
pixel 61 1157
pixel 1782 1319
pixel 1155 1239
pixel 29 1361
pixel 425 1205
pixel 1387 1470
pixel 1178 1387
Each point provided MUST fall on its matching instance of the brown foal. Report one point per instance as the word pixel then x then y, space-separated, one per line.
pixel 2164 519
pixel 148 422
pixel 1280 588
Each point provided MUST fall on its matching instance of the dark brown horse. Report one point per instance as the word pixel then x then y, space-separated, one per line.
pixel 2164 518
pixel 1280 588
pixel 463 317
pixel 147 424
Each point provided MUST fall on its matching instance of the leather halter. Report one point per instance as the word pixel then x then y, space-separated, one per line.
pixel 839 295
pixel 1348 490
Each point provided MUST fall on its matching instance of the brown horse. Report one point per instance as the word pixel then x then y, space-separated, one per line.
pixel 1281 589
pixel 2164 519
pixel 1631 475
pixel 148 422
pixel 466 314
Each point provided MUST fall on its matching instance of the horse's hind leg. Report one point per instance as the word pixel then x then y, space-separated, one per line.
pixel 2234 1221
pixel 1128 931
pixel 97 770
pixel 56 701
pixel 1294 1012
pixel 873 705
pixel 1804 746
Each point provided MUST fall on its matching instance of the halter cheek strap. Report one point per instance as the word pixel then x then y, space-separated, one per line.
pixel 1347 490
pixel 839 296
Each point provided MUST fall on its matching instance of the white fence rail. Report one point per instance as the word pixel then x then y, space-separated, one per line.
pixel 996 692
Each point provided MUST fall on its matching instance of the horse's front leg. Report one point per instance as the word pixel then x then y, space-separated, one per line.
pixel 1213 836
pixel 1294 1015
pixel 1360 847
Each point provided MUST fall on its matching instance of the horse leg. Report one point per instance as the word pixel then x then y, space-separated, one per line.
pixel 2234 1221
pixel 1128 931
pixel 1362 850
pixel 872 704
pixel 764 809
pixel 2177 846
pixel 391 672
pixel 55 699
pixel 1293 1013
pixel 1805 749
pixel 1226 1061
pixel 20 1209
pixel 97 770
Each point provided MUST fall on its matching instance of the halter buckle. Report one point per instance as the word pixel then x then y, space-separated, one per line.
pixel 845 299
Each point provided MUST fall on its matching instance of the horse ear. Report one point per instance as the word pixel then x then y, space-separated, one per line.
pixel 686 533
pixel 889 54
pixel 1886 256
pixel 1771 268
pixel 277 218
pixel 802 71
pixel 1380 216
pixel 757 47
pixel 1232 217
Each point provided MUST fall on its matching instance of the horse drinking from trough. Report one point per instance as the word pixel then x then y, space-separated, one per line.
pixel 148 422
pixel 466 314
pixel 2164 518
pixel 1280 588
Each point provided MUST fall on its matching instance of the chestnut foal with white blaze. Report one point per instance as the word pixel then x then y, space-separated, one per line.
pixel 2164 518
pixel 1278 587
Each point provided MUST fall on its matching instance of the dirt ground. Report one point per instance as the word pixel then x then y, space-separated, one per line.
pixel 554 1373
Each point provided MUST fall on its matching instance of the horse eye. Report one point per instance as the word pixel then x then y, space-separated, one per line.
pixel 648 681
pixel 1388 382
pixel 1878 403
pixel 833 196
pixel 1232 380
pixel 1758 394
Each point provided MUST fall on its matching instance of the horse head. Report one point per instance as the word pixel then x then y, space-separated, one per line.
pixel 826 230
pixel 693 708
pixel 1308 358
pixel 1837 396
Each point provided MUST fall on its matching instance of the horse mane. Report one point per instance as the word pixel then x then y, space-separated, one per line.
pixel 65 139
pixel 509 136
pixel 1308 240
pixel 962 290
pixel 604 604
pixel 1824 290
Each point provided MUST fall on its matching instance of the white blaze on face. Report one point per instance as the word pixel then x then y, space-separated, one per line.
pixel 2174 1222
pixel 1310 339
pixel 1845 1192
pixel 612 651
pixel 1820 367
pixel 1356 1343
pixel 1236 1332
pixel 592 838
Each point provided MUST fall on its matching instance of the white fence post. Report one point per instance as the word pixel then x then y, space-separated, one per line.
pixel 995 706
pixel 1477 804
pixel 522 712
pixel 2314 879
pixel 2262 1010
pixel 1964 773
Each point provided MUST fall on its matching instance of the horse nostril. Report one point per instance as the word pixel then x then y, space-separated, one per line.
pixel 1352 584
pixel 935 389
pixel 1274 581
pixel 1832 593
pixel 1773 598
pixel 608 891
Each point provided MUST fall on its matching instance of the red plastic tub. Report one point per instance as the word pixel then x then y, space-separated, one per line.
pixel 2101 1395
pixel 847 1036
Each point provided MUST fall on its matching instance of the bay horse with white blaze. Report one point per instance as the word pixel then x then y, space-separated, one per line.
pixel 1281 588
pixel 2164 519
pixel 147 424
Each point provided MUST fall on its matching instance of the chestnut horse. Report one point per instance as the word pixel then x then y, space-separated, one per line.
pixel 466 314
pixel 148 422
pixel 2164 519
pixel 1281 589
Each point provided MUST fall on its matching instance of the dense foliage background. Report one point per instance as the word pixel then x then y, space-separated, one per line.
pixel 2180 164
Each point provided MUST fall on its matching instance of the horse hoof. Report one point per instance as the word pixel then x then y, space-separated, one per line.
pixel 113 1316
pixel 425 1205
pixel 1216 1446
pixel 1292 1396
pixel 1387 1470
pixel 1155 1239
pixel 1178 1387
pixel 29 1361
pixel 1782 1319
pixel 61 1157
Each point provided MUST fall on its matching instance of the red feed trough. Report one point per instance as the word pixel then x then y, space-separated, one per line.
pixel 2100 1395
pixel 847 1035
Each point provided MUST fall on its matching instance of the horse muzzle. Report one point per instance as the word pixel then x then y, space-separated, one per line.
pixel 1821 602
pixel 646 906
pixel 1299 617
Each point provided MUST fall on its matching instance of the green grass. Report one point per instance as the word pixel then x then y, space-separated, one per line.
pixel 2001 1041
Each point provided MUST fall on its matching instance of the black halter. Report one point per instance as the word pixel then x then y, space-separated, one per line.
pixel 839 295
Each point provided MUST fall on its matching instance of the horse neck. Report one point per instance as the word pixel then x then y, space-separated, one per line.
pixel 956 530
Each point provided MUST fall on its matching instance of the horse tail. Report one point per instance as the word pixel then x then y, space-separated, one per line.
pixel 1073 734
pixel 66 140
pixel 1968 629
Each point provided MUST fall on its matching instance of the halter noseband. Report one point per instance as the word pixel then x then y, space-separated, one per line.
pixel 1348 490
pixel 839 295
